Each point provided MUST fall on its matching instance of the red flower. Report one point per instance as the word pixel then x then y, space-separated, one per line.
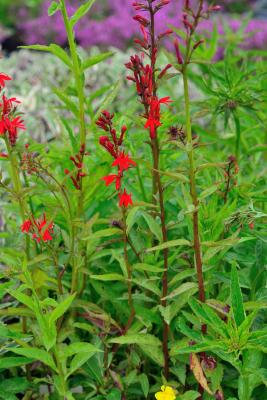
pixel 2 127
pixel 41 229
pixel 11 126
pixel 123 162
pixel 14 124
pixel 109 179
pixel 3 78
pixel 153 121
pixel 3 155
pixel 125 199
pixel 44 229
pixel 7 104
pixel 26 226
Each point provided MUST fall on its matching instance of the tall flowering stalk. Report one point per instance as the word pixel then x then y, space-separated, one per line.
pixel 10 124
pixel 78 74
pixel 191 18
pixel 112 143
pixel 145 77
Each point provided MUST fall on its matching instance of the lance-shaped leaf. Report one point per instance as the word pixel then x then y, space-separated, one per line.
pixel 171 243
pixel 82 10
pixel 96 59
pixel 37 354
pixel 61 309
pixel 53 49
pixel 236 298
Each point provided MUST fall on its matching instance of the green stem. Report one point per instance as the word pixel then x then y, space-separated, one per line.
pixel 129 271
pixel 193 191
pixel 238 133
pixel 82 125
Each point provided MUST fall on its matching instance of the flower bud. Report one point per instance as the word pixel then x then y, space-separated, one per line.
pixel 178 53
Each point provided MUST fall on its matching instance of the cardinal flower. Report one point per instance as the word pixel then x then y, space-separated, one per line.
pixel 26 226
pixel 109 179
pixel 153 120
pixel 11 126
pixel 125 199
pixel 41 229
pixel 3 78
pixel 167 393
pixel 123 162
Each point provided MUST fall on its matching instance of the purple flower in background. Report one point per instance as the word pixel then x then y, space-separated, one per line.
pixel 110 23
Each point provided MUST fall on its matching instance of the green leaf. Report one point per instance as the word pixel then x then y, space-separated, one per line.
pixel 104 233
pixel 171 243
pixel 137 338
pixel 61 309
pixel 13 385
pixel 153 225
pixel 11 362
pixel 131 219
pixel 37 354
pixel 208 316
pixel 61 54
pixel 175 175
pixel 7 333
pixel 70 105
pixel 153 352
pixel 181 289
pixel 108 277
pixel 53 8
pixel 93 60
pixel 236 298
pixel 190 395
pixel 23 298
pixel 81 347
pixel 78 360
pixel 115 394
pixel 144 384
pixel 109 98
pixel 53 49
pixel 82 10
pixel 207 192
pixel 147 268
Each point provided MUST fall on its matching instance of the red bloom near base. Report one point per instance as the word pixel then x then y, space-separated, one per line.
pixel 40 229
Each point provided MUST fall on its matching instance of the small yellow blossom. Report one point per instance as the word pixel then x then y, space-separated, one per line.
pixel 167 393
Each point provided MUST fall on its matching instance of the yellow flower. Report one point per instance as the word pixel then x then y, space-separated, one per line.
pixel 167 393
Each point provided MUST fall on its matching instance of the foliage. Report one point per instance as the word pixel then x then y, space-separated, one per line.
pixel 167 296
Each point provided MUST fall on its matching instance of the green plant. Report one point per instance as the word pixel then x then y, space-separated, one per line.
pixel 98 290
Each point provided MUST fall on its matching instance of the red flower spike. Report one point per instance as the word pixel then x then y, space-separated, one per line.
pixel 125 199
pixel 3 78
